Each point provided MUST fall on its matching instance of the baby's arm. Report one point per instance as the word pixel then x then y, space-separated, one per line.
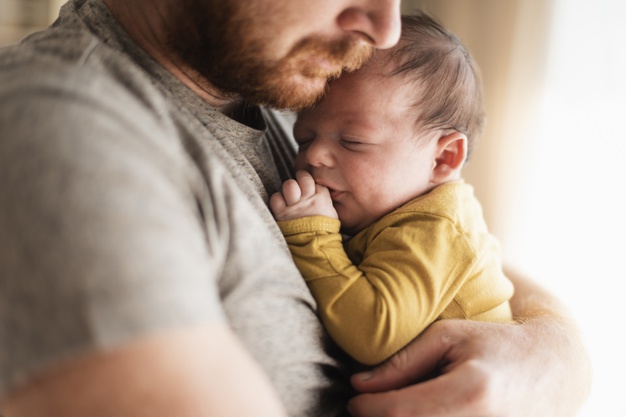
pixel 302 197
pixel 398 287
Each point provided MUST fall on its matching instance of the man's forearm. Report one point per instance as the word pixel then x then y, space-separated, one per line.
pixel 566 381
pixel 532 300
pixel 200 371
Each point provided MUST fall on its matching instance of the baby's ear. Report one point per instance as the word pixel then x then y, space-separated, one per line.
pixel 450 157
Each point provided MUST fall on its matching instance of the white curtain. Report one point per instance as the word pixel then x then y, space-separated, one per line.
pixel 573 228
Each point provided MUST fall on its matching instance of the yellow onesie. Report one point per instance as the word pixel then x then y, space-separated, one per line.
pixel 431 259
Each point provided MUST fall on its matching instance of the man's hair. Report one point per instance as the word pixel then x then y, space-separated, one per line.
pixel 446 78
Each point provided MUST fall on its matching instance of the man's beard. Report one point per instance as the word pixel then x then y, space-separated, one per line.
pixel 224 44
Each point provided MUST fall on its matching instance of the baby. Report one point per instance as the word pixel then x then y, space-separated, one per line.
pixel 380 160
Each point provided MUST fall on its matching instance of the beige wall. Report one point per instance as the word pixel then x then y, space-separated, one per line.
pixel 21 17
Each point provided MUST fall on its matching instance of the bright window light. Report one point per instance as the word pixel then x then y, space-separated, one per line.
pixel 574 229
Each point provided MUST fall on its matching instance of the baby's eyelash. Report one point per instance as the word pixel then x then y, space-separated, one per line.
pixel 350 144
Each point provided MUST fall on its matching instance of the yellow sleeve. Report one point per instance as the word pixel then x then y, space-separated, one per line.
pixel 316 246
pixel 406 278
pixel 374 310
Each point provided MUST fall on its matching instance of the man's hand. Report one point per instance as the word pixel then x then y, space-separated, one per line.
pixel 302 197
pixel 538 368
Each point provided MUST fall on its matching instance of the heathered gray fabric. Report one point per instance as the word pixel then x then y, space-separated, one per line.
pixel 129 206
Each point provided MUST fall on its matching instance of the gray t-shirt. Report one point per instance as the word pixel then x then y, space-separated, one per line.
pixel 129 206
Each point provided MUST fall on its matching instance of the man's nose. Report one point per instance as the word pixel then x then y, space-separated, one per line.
pixel 375 21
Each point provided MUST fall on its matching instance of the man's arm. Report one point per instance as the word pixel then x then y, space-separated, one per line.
pixel 537 368
pixel 201 371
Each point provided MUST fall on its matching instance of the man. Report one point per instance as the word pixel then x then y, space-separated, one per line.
pixel 141 272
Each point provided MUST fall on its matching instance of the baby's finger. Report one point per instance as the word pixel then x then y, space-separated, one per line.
pixel 306 182
pixel 322 189
pixel 277 203
pixel 291 192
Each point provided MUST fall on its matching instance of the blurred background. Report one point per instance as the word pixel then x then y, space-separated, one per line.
pixel 548 166
pixel 21 17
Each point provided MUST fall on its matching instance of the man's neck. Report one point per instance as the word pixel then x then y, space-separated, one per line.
pixel 146 26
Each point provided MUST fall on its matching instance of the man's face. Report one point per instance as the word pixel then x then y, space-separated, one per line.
pixel 278 53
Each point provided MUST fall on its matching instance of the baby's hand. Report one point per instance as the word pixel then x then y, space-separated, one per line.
pixel 302 197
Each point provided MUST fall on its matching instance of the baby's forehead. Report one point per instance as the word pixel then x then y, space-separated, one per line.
pixel 375 70
pixel 381 63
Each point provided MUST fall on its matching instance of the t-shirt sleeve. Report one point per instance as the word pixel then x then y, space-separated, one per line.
pixel 101 230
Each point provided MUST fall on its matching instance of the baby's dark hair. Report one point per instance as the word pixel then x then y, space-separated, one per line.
pixel 447 80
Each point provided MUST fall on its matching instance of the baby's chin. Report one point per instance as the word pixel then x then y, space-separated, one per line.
pixel 349 228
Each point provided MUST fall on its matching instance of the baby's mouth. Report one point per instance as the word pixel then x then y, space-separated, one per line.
pixel 335 194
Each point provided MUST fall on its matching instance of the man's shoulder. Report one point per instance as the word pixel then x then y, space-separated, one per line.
pixel 69 60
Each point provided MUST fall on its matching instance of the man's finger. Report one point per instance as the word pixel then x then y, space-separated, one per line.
pixel 417 361
pixel 449 395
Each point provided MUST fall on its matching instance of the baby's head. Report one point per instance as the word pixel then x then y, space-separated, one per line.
pixel 396 128
pixel 442 75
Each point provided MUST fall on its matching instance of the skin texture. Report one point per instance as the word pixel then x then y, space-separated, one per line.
pixel 184 372
pixel 371 158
